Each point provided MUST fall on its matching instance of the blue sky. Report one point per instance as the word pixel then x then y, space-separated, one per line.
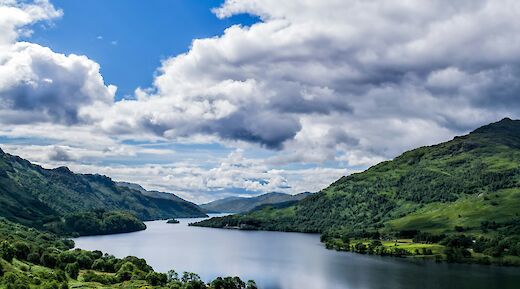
pixel 244 97
pixel 129 38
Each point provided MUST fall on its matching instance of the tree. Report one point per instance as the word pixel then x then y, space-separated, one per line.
pixel 172 276
pixel 251 285
pixel 192 281
pixel 84 261
pixel 188 276
pixel 156 279
pixel 7 251
pixel 73 270
pixel 126 271
pixel 99 265
pixel 228 283
pixel 33 257
pixel 67 257
pixel 454 254
pixel 48 260
pixel 21 250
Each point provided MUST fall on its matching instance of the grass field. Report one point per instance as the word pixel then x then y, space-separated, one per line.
pixel 437 218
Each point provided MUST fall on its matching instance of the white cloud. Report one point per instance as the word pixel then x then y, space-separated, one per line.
pixel 388 76
pixel 344 82
pixel 39 85
pixel 16 16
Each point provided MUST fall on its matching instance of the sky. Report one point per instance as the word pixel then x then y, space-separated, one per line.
pixel 209 99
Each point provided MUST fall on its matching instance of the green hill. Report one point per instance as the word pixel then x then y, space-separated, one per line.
pixel 241 205
pixel 30 258
pixel 470 184
pixel 32 195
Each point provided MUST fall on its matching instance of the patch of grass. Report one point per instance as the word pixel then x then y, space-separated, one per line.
pixel 467 212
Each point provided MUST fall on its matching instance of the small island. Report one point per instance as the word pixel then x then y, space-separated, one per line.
pixel 172 221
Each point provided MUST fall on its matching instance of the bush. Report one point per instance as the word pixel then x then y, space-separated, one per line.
pixel 90 276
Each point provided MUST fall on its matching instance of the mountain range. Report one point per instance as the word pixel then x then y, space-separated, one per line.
pixel 242 204
pixel 469 184
pixel 32 195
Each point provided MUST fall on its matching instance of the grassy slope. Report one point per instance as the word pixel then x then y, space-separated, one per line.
pixel 468 212
pixel 32 195
pixel 476 176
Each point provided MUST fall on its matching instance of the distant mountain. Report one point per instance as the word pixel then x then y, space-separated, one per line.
pixel 470 184
pixel 240 205
pixel 153 194
pixel 32 195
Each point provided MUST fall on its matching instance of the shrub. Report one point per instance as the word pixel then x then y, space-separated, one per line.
pixel 90 276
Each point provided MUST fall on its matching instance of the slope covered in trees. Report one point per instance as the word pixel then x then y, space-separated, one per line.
pixel 30 258
pixel 468 185
pixel 32 195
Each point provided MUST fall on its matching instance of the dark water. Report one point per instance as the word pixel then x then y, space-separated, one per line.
pixel 288 260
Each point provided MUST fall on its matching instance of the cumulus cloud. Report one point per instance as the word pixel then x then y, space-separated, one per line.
pixel 59 154
pixel 338 78
pixel 234 175
pixel 347 82
pixel 17 15
pixel 39 85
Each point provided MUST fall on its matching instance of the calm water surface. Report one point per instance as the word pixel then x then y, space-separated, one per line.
pixel 278 260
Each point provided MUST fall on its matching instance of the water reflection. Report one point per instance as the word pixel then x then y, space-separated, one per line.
pixel 278 260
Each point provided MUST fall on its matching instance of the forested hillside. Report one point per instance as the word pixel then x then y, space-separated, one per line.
pixel 468 185
pixel 30 258
pixel 32 195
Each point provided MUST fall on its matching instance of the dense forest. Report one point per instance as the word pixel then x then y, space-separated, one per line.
pixel 469 186
pixel 98 222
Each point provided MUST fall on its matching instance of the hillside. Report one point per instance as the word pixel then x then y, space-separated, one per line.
pixel 468 185
pixel 30 258
pixel 241 205
pixel 32 195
